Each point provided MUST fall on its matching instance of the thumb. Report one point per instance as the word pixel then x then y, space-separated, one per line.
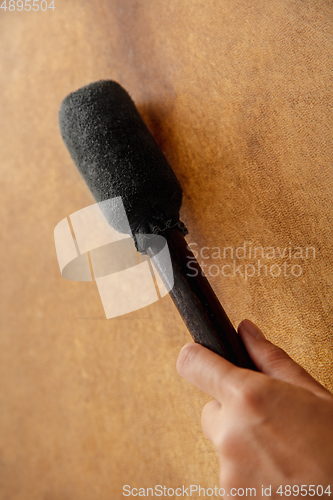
pixel 275 362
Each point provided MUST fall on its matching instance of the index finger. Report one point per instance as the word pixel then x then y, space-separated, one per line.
pixel 209 372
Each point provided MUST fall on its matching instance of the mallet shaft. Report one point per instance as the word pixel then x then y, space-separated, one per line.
pixel 197 303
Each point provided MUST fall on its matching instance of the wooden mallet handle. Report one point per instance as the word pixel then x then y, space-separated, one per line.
pixel 196 301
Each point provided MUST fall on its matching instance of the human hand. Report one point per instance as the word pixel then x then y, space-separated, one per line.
pixel 271 428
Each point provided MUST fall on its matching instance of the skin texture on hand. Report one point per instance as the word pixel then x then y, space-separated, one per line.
pixel 271 428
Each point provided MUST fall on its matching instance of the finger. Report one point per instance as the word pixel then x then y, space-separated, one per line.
pixel 208 371
pixel 275 362
pixel 211 420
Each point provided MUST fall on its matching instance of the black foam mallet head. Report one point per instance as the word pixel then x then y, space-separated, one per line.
pixel 117 156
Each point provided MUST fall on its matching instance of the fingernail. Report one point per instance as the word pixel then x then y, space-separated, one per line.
pixel 252 329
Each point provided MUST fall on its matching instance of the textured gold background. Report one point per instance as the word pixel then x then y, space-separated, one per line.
pixel 238 95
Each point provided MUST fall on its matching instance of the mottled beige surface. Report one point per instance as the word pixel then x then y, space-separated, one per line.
pixel 238 95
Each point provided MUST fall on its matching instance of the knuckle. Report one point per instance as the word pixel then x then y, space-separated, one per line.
pixel 206 415
pixel 211 407
pixel 252 395
pixel 185 358
pixel 231 447
pixel 252 399
pixel 229 444
pixel 275 356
